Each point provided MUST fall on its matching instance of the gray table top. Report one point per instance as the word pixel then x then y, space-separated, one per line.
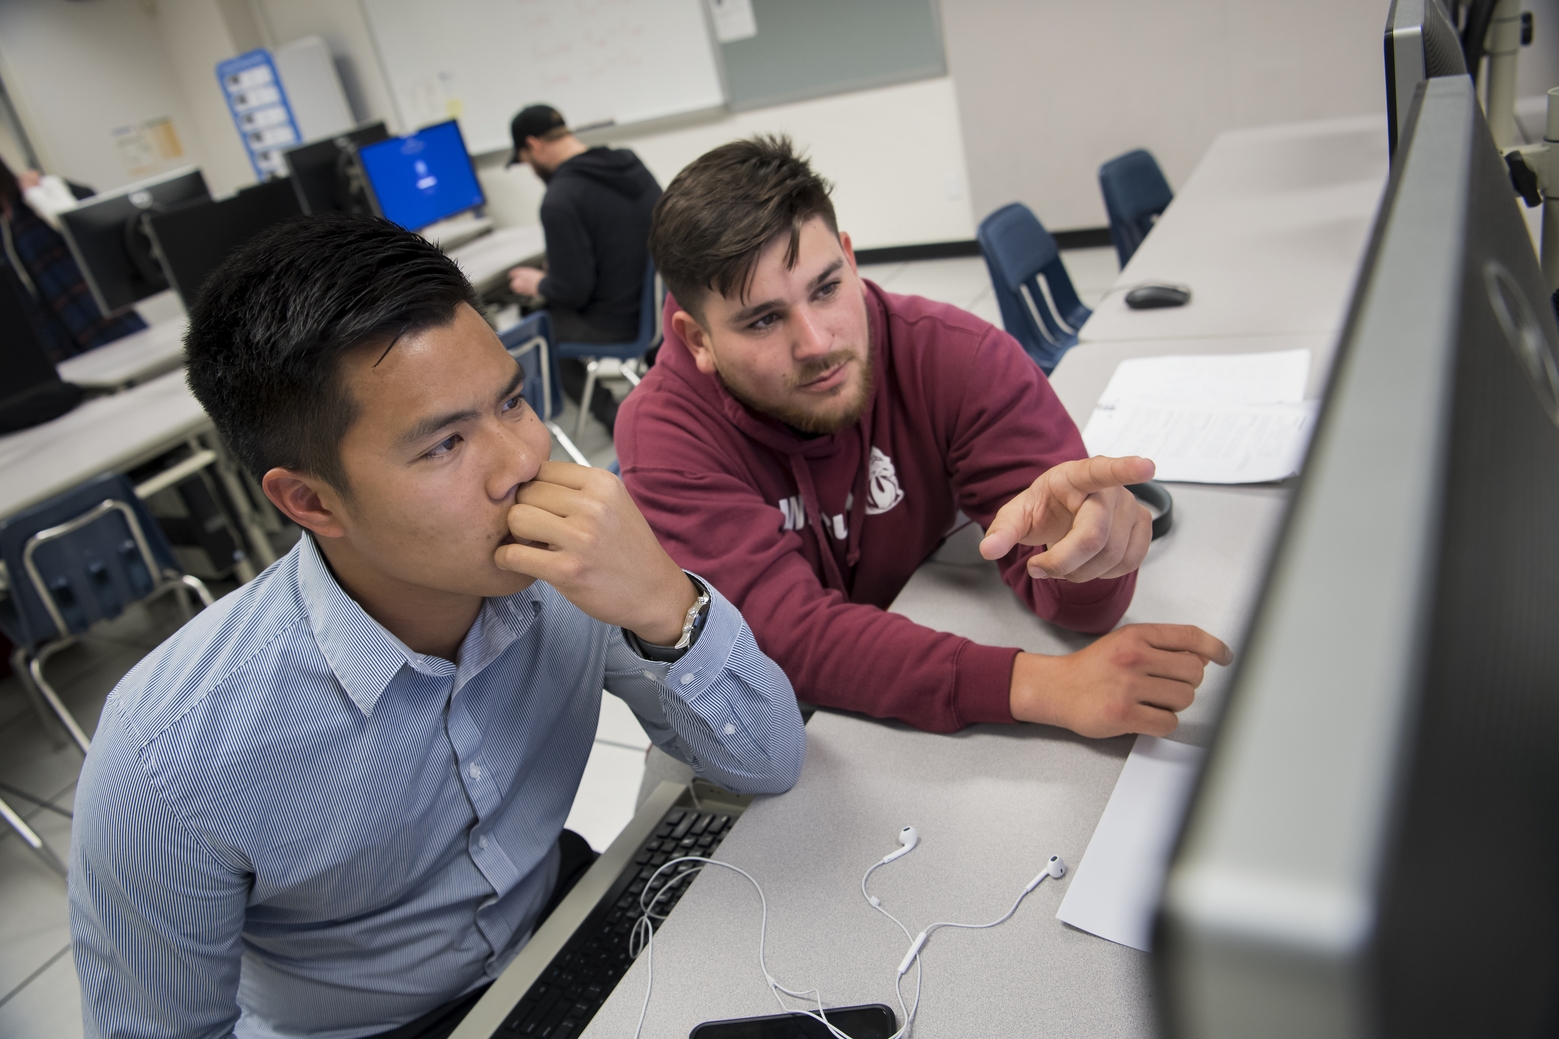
pixel 142 355
pixel 1268 232
pixel 99 435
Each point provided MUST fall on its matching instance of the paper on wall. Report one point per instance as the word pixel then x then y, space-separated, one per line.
pixel 1114 891
pixel 734 20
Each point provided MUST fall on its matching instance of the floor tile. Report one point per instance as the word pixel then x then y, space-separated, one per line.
pixel 34 923
pixel 32 761
pixel 606 797
pixel 48 1008
pixel 620 725
pixel 882 273
pixel 958 281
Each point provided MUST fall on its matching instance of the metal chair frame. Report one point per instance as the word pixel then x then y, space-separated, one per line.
pixel 651 332
pixel 544 353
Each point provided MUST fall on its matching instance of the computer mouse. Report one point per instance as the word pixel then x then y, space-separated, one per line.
pixel 1153 294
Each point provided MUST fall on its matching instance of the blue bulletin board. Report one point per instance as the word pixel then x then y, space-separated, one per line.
pixel 260 110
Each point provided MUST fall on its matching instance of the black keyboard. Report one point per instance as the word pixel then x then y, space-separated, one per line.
pixel 583 974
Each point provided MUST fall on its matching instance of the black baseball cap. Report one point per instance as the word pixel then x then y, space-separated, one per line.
pixel 535 121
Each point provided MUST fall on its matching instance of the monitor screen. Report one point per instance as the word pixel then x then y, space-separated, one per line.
pixel 422 179
pixel 108 238
pixel 325 174
pixel 193 240
pixel 1374 846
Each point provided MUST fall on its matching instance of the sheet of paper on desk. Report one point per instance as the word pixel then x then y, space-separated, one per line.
pixel 1268 378
pixel 1208 443
pixel 1114 891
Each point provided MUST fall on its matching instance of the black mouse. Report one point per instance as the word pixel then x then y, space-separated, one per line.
pixel 1154 294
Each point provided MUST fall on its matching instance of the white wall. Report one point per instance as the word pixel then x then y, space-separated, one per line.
pixel 1049 89
pixel 195 38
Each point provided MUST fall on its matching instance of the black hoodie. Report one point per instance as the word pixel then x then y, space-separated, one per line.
pixel 596 215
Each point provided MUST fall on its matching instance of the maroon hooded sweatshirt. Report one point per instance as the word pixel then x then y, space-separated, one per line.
pixel 813 537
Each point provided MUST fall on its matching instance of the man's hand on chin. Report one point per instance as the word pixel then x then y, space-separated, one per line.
pixel 588 540
pixel 1081 510
pixel 1135 679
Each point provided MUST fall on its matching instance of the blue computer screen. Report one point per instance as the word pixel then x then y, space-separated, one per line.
pixel 421 179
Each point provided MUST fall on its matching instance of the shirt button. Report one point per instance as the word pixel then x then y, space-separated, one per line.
pixel 650 675
pixel 730 730
pixel 686 679
pixel 481 842
pixel 475 771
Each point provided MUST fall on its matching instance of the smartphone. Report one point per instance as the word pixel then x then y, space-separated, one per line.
pixel 871 1021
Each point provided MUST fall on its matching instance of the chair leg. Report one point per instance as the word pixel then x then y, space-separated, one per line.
pixel 35 669
pixel 568 445
pixel 31 837
pixel 591 368
pixel 19 661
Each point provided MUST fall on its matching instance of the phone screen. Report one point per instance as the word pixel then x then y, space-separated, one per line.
pixel 873 1021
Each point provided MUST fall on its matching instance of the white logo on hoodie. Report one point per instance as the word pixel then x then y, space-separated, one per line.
pixel 882 484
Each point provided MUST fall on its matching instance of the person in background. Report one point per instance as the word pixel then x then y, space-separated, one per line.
pixel 57 299
pixel 806 440
pixel 596 215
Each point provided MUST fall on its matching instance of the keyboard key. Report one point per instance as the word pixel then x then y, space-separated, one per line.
pixel 683 827
pixel 701 824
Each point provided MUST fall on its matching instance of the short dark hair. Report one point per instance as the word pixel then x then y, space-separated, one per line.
pixel 271 325
pixel 720 211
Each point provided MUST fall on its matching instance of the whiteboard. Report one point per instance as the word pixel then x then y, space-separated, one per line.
pixel 481 61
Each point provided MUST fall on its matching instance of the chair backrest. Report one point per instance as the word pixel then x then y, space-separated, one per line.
pixel 1135 193
pixel 528 342
pixel 1018 253
pixel 649 326
pixel 81 557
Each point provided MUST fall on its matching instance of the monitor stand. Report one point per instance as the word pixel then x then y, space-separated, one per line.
pixel 38 405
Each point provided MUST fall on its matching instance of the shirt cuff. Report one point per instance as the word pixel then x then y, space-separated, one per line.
pixel 982 684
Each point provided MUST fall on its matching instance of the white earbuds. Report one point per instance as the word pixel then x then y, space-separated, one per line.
pixel 909 837
pixel 1055 868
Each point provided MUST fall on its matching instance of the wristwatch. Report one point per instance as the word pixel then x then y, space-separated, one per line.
pixel 696 615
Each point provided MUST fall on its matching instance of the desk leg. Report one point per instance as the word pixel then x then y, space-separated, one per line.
pixel 254 530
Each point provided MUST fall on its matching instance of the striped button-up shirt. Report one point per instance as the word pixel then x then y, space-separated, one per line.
pixel 291 824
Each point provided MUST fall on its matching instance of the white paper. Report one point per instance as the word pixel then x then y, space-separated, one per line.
pixel 733 20
pixel 1244 443
pixel 1114 891
pixel 1267 378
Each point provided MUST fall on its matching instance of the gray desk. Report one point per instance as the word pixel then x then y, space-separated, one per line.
pixel 153 351
pixel 486 260
pixel 115 433
pixel 1268 231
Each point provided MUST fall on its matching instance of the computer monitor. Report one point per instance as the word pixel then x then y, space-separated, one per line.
pixel 31 391
pixel 107 236
pixel 1421 43
pixel 1373 849
pixel 325 174
pixel 192 240
pixel 422 178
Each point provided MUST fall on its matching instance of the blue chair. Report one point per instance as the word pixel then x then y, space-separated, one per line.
pixel 594 353
pixel 530 343
pixel 79 558
pixel 1020 253
pixel 1135 193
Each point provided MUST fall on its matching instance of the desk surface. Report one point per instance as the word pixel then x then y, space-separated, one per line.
pixel 139 356
pixel 487 259
pixel 98 436
pixel 1268 232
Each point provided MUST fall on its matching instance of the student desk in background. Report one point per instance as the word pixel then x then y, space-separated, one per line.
pixel 991 803
pixel 139 356
pixel 488 259
pixel 116 433
pixel 1268 232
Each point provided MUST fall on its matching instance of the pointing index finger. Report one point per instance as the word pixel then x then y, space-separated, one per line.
pixel 1099 472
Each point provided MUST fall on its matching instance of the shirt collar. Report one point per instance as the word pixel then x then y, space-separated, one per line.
pixel 365 657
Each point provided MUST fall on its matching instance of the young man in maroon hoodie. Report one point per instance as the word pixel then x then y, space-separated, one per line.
pixel 806 440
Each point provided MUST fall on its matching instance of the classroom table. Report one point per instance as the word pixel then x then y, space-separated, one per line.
pixel 116 433
pixel 1268 232
pixel 488 259
pixel 991 803
pixel 153 351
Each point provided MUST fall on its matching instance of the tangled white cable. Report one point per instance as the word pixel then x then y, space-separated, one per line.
pixel 643 935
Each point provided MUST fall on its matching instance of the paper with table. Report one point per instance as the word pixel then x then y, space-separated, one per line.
pixel 1114 890
pixel 1215 418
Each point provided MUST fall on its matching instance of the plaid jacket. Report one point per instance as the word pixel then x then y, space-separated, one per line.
pixel 61 306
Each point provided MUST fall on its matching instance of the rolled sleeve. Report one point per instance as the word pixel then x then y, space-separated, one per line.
pixel 724 708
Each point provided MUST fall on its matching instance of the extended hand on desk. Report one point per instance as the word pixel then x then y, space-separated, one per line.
pixel 577 529
pixel 1136 678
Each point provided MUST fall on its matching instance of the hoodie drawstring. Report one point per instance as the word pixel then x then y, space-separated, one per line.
pixel 803 477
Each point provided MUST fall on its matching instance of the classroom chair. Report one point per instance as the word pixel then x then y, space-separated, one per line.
pixel 70 562
pixel 1135 193
pixel 1021 255
pixel 627 354
pixel 530 343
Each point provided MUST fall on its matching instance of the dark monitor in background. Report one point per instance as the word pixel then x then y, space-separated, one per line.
pixel 192 240
pixel 422 178
pixel 1374 846
pixel 107 236
pixel 31 391
pixel 325 174
pixel 1421 43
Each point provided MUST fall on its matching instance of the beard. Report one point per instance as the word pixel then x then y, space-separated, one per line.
pixel 813 421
